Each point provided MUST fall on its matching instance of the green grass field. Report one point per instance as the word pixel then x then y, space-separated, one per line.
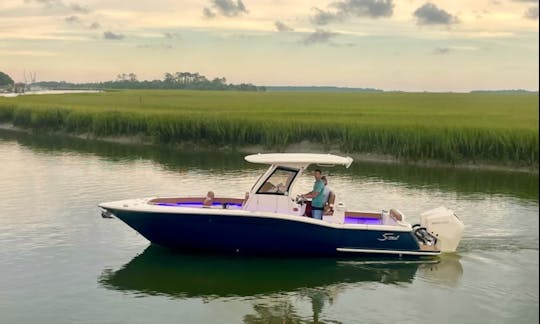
pixel 500 128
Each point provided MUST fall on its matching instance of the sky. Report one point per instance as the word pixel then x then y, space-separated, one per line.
pixel 407 45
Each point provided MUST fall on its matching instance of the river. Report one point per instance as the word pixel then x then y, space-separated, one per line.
pixel 61 262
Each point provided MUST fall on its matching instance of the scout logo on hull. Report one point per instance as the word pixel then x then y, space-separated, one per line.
pixel 388 237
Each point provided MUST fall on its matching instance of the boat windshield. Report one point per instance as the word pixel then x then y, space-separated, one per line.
pixel 279 182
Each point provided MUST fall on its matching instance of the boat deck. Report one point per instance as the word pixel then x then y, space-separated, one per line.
pixel 351 217
pixel 197 202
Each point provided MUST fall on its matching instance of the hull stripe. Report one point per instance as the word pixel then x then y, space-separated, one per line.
pixel 387 251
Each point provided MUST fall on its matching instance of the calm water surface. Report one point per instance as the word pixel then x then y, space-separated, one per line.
pixel 61 262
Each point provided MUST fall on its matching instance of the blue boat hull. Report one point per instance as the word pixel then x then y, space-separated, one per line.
pixel 263 236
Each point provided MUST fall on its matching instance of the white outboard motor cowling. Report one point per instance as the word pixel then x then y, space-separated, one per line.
pixel 442 223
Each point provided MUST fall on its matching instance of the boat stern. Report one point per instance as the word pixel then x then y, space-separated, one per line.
pixel 443 224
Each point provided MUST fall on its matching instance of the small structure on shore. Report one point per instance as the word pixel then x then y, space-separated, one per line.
pixel 19 87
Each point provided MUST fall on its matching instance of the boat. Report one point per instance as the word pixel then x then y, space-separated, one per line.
pixel 271 220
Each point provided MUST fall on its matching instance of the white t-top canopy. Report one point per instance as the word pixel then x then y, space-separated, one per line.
pixel 299 159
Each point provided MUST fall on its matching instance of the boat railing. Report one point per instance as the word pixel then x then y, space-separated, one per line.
pixel 197 202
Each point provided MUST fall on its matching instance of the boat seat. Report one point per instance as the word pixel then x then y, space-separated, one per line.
pixel 397 215
pixel 362 215
pixel 329 205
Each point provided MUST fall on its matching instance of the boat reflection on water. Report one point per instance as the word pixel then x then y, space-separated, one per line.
pixel 159 271
pixel 445 273
pixel 269 282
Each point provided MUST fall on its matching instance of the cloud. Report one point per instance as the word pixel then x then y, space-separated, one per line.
pixel 429 14
pixel 72 20
pixel 282 27
pixel 170 35
pixel 366 8
pixel 94 25
pixel 112 36
pixel 207 13
pixel 78 8
pixel 353 8
pixel 479 14
pixel 323 17
pixel 44 2
pixel 59 4
pixel 227 8
pixel 531 13
pixel 442 50
pixel 319 36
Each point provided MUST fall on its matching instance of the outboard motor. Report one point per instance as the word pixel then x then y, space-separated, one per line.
pixel 423 235
pixel 444 225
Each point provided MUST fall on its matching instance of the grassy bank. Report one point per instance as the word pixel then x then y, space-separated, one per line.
pixel 456 128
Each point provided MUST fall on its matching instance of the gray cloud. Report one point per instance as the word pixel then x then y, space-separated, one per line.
pixel 112 36
pixel 282 27
pixel 441 50
pixel 94 25
pixel 531 1
pixel 358 8
pixel 207 13
pixel 72 19
pixel 531 13
pixel 366 8
pixel 59 4
pixel 322 17
pixel 429 14
pixel 170 35
pixel 78 8
pixel 227 8
pixel 319 36
pixel 45 2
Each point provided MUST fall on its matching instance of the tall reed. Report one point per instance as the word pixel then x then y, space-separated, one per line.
pixel 410 130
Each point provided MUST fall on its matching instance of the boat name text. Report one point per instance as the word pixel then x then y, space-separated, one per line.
pixel 388 237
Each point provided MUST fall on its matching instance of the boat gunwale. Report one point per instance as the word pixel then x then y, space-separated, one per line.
pixel 142 206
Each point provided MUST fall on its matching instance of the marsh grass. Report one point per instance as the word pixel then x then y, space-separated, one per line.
pixel 500 128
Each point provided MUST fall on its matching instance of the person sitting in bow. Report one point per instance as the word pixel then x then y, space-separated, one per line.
pixel 209 199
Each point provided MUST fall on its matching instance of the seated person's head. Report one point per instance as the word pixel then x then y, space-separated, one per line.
pixel 209 199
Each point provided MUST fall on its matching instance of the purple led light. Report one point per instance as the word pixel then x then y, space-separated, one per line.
pixel 361 220
pixel 196 204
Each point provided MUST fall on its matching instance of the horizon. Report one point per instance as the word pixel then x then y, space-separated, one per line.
pixel 352 89
pixel 410 46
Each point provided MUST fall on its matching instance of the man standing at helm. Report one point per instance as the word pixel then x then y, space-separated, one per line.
pixel 316 195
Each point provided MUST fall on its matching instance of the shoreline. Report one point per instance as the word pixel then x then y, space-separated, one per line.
pixel 302 147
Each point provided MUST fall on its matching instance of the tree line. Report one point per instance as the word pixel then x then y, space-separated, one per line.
pixel 177 80
pixel 5 79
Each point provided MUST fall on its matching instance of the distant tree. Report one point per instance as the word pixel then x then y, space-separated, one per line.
pixel 132 77
pixel 169 78
pixel 5 79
